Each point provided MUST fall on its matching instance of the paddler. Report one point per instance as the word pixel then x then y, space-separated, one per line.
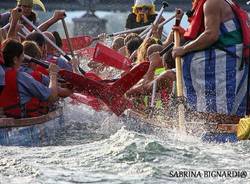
pixel 215 68
pixel 27 10
pixel 143 14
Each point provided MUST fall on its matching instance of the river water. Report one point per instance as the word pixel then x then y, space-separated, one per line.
pixel 99 148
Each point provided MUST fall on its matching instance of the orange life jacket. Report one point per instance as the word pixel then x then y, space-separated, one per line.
pixel 10 100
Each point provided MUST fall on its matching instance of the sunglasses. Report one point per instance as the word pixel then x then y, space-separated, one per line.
pixel 143 8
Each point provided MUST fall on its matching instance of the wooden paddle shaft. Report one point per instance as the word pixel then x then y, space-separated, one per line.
pixel 178 66
pixel 68 39
pixel 165 4
pixel 46 38
pixel 129 31
pixel 143 34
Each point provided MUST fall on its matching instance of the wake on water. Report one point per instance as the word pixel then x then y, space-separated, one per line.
pixel 99 148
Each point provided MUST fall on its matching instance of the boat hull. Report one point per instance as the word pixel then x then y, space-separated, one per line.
pixel 208 133
pixel 37 131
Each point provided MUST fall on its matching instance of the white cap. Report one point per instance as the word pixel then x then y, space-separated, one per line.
pixel 144 3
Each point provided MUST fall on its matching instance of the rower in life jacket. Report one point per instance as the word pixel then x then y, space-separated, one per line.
pixel 143 13
pixel 22 96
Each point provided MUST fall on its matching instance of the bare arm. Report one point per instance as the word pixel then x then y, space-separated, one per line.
pixel 212 20
pixel 58 15
pixel 53 85
pixel 15 16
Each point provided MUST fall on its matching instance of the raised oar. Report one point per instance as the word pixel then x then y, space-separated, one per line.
pixel 46 38
pixel 160 26
pixel 25 30
pixel 146 31
pixel 179 82
pixel 21 35
pixel 50 42
pixel 165 4
pixel 44 64
pixel 67 37
pixel 80 42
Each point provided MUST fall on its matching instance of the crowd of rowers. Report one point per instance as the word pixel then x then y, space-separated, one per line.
pixel 211 75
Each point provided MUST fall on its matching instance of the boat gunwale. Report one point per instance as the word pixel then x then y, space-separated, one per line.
pixel 11 122
pixel 210 128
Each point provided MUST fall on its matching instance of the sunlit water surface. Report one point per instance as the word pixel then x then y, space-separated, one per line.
pixel 97 148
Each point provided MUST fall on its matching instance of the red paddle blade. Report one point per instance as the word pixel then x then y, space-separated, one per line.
pixel 97 90
pixel 92 76
pixel 122 85
pixel 111 95
pixel 110 57
pixel 88 100
pixel 78 43
pixel 86 52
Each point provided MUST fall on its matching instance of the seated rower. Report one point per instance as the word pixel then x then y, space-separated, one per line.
pixel 154 64
pixel 48 52
pixel 214 74
pixel 117 43
pixel 22 94
pixel 142 50
pixel 164 80
pixel 124 50
pixel 31 49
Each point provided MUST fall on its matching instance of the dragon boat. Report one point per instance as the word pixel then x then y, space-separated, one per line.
pixel 35 131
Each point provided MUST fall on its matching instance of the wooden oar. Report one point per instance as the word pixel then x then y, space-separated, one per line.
pixel 144 33
pixel 50 41
pixel 156 19
pixel 164 5
pixel 80 42
pixel 67 37
pixel 179 82
pixel 46 38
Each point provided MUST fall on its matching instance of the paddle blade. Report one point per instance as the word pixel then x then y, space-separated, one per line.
pixel 78 43
pixel 110 57
pixel 127 81
pixel 87 100
pixel 115 102
pixel 243 129
pixel 92 76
